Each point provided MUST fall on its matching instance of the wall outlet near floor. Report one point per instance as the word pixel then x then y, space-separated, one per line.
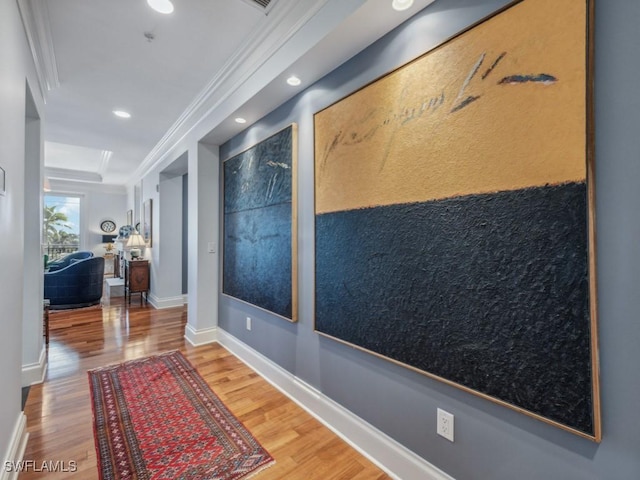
pixel 248 323
pixel 445 425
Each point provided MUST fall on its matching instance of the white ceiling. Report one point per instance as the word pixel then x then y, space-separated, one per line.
pixel 94 57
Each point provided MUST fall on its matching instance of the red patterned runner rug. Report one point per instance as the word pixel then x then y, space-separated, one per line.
pixel 156 418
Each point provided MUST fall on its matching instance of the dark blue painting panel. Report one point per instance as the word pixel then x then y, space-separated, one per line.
pixel 257 260
pixel 257 251
pixel 483 290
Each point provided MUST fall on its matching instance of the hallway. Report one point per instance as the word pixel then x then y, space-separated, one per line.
pixel 59 410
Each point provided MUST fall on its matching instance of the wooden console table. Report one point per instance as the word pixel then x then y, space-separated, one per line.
pixel 136 279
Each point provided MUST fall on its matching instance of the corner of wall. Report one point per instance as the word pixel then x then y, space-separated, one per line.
pixel 198 338
pixel 17 445
pixel 34 373
pixel 160 303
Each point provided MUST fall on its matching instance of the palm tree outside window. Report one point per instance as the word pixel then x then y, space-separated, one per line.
pixel 61 225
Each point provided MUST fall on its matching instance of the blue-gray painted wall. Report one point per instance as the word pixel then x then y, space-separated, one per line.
pixel 492 442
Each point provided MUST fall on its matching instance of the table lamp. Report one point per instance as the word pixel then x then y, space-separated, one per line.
pixel 134 243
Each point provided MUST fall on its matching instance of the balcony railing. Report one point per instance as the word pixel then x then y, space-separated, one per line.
pixel 54 251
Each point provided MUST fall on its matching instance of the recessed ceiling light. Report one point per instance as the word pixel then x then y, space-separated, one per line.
pixel 400 5
pixel 121 114
pixel 162 6
pixel 240 120
pixel 294 81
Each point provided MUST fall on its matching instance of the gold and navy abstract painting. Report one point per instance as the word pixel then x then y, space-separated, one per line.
pixel 452 218
pixel 259 252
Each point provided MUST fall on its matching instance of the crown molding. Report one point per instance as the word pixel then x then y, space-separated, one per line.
pixel 105 156
pixel 72 175
pixel 35 19
pixel 67 186
pixel 283 23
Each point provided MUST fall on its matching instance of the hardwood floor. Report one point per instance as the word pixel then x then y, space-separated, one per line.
pixel 59 417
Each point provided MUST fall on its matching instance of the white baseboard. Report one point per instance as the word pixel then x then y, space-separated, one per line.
pixel 398 461
pixel 200 337
pixel 166 302
pixel 17 446
pixel 34 373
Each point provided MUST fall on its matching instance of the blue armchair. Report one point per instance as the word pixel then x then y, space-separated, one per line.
pixel 66 260
pixel 79 284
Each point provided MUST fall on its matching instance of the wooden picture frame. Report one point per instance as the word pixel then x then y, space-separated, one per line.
pixel 259 254
pixel 454 208
pixel 147 222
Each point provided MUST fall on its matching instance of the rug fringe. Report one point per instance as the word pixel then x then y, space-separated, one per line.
pixel 260 470
pixel 121 363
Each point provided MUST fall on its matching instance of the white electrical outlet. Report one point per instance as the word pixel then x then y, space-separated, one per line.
pixel 248 323
pixel 445 425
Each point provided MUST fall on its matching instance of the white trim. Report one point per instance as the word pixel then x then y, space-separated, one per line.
pixel 166 302
pixel 70 175
pixel 17 446
pixel 398 461
pixel 257 49
pixel 75 188
pixel 34 373
pixel 105 156
pixel 35 19
pixel 200 337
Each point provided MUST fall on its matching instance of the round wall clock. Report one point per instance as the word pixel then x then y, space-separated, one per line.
pixel 107 226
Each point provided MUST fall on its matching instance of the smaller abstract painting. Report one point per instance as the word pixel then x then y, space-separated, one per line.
pixel 259 252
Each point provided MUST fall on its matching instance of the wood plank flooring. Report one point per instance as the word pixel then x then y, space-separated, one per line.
pixel 59 417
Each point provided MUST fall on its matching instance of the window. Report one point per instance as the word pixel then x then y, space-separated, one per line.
pixel 61 225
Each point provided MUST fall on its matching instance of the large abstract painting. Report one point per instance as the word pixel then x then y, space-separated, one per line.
pixel 260 254
pixel 454 226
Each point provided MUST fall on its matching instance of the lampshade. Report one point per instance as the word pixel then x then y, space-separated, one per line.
pixel 136 241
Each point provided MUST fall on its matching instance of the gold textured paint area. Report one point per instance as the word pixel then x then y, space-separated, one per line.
pixel 500 107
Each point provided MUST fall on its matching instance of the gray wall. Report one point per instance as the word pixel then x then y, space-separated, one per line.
pixel 492 442
pixel 17 216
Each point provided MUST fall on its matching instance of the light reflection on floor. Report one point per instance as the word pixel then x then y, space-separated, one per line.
pixel 112 332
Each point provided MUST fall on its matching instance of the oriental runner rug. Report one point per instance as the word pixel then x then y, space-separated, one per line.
pixel 156 418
